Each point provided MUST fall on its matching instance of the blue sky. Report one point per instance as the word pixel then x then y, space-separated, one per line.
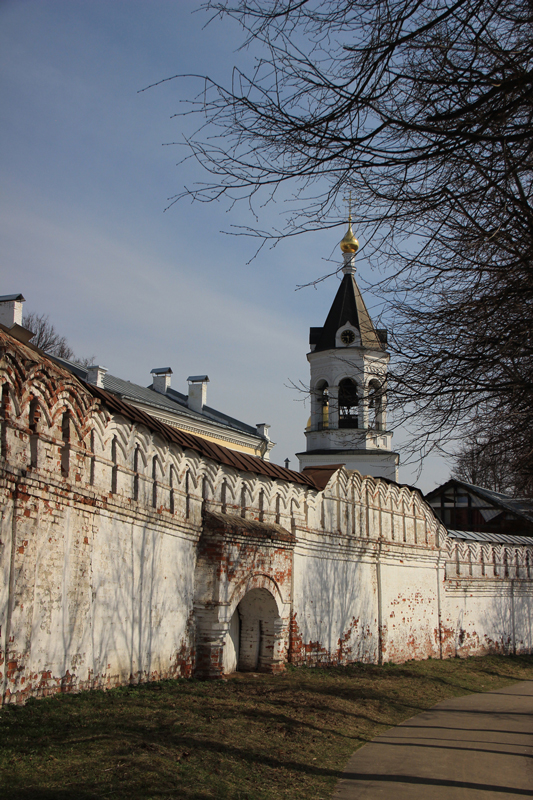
pixel 86 177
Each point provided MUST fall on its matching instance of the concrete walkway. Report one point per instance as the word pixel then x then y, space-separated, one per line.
pixel 478 747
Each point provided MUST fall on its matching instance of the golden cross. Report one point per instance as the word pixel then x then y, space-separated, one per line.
pixel 349 201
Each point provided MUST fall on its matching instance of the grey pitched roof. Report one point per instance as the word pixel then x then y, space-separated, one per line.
pixel 5 297
pixel 520 506
pixel 173 401
pixel 348 306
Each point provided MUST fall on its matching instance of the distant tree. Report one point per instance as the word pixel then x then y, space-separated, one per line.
pixel 492 465
pixel 484 464
pixel 423 111
pixel 45 335
pixel 48 339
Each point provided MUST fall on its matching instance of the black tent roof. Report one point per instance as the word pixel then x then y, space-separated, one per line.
pixel 348 307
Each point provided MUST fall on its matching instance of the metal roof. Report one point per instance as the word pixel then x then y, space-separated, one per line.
pixel 172 401
pixel 493 538
pixel 6 297
pixel 348 306
pixel 247 527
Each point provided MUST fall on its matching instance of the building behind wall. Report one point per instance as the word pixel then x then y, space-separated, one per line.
pixel 465 507
pixel 189 412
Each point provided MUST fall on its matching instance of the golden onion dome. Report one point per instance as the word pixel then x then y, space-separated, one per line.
pixel 349 243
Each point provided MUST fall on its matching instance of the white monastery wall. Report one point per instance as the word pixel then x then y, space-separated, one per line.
pixel 488 603
pixel 335 603
pixel 98 596
pixel 369 592
pixel 127 557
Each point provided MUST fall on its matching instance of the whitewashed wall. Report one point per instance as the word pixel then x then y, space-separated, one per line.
pixel 101 583
pixel 370 591
pixel 98 598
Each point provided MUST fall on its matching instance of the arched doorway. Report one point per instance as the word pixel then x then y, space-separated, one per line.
pixel 253 632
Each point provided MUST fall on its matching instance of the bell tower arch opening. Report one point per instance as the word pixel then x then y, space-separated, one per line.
pixel 376 405
pixel 348 404
pixel 320 406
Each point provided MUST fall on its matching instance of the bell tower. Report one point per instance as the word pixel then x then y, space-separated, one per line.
pixel 348 386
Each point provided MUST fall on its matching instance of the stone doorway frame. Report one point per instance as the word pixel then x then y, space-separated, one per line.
pixel 235 556
pixel 213 627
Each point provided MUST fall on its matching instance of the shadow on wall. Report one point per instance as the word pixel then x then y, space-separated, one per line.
pixel 113 629
pixel 147 589
pixel 97 597
pixel 508 618
pixel 338 621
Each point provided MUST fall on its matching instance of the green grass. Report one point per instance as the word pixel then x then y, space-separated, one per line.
pixel 252 737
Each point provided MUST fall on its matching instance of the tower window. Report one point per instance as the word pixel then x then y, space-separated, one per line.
pixel 136 464
pixel 114 468
pixel 348 404
pixel 65 450
pixel 35 415
pixel 4 417
pixel 171 495
pixel 243 501
pixel 154 482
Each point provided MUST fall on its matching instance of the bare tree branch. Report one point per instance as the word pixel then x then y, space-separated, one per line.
pixel 48 339
pixel 423 109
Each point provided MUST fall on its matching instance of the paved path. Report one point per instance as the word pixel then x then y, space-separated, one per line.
pixel 478 747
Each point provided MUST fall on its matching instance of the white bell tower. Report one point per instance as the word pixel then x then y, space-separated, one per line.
pixel 348 388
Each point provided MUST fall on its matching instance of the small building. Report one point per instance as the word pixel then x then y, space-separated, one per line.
pixel 461 506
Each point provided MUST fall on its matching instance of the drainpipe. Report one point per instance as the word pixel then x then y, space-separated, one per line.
pixel 380 605
pixel 439 607
pixel 11 591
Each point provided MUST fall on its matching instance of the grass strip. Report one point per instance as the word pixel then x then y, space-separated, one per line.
pixel 251 737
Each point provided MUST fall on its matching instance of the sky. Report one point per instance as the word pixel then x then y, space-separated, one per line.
pixel 86 172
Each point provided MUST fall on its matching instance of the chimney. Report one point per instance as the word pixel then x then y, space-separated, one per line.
pixel 11 309
pixel 197 392
pixel 95 375
pixel 262 430
pixel 161 379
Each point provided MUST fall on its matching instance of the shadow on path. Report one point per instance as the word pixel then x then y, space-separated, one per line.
pixel 399 765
